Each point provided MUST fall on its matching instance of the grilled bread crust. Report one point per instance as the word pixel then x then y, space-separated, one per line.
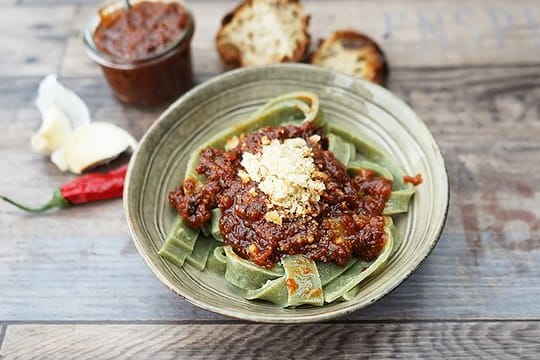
pixel 261 32
pixel 352 53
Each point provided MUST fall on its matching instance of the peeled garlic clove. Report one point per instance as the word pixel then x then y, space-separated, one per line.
pixel 54 130
pixel 58 157
pixel 95 144
pixel 53 94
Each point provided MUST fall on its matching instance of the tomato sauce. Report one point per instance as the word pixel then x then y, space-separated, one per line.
pixel 347 220
pixel 144 51
pixel 147 28
pixel 415 180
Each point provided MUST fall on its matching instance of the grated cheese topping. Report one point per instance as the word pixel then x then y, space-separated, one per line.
pixel 286 173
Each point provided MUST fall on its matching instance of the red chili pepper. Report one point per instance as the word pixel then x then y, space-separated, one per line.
pixel 87 188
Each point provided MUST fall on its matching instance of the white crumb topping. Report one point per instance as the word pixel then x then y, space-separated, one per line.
pixel 286 173
pixel 273 216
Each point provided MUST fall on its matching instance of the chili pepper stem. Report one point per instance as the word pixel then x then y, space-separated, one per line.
pixel 57 201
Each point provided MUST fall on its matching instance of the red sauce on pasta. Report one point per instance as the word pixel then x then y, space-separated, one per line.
pixel 347 220
pixel 415 180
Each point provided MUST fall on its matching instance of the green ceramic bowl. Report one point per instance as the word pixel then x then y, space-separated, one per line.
pixel 157 167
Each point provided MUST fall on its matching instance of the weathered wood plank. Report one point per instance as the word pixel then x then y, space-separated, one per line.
pixel 487 123
pixel 3 329
pixel 8 3
pixel 33 41
pixel 464 340
pixel 468 114
pixel 486 119
pixel 419 34
pixel 108 281
pixel 413 34
pixel 452 101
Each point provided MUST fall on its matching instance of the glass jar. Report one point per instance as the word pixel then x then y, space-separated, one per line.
pixel 150 80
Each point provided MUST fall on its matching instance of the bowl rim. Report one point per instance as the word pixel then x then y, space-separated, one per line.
pixel 323 315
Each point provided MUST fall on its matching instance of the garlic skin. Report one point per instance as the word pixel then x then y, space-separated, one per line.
pixel 66 134
pixel 53 131
pixel 91 145
pixel 52 93
pixel 61 111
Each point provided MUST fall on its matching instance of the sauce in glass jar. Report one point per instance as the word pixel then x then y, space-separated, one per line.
pixel 144 50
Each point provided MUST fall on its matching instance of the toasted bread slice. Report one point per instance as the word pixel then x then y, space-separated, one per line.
pixel 352 53
pixel 260 32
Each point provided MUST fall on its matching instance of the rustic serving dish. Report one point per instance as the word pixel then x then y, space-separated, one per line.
pixel 158 166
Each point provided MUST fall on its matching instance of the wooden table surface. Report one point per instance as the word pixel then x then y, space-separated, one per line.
pixel 73 286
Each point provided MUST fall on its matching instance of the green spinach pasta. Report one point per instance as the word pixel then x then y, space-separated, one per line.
pixel 288 208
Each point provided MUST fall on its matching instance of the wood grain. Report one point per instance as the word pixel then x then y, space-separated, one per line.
pixel 472 72
pixel 32 42
pixel 3 329
pixel 464 340
pixel 419 35
pixel 485 121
